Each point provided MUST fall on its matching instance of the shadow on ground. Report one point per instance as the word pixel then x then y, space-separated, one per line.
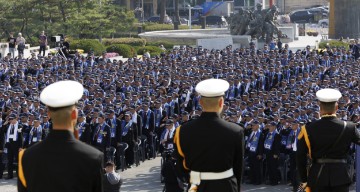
pixel 144 182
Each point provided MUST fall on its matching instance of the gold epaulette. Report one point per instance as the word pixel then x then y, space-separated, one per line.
pixel 21 171
pixel 303 133
pixel 177 143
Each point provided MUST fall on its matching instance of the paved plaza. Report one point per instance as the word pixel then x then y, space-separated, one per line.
pixel 146 178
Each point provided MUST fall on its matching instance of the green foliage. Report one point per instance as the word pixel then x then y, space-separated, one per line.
pixel 88 45
pixel 153 50
pixel 137 49
pixel 333 43
pixel 102 21
pixel 128 41
pixel 77 18
pixel 126 51
pixel 162 27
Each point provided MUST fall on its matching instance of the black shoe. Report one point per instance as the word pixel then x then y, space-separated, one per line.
pixel 8 178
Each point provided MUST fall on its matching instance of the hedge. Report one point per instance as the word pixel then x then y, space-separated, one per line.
pixel 126 51
pixel 333 43
pixel 153 50
pixel 88 45
pixel 127 41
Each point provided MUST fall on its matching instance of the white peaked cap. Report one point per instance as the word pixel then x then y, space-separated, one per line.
pixel 328 95
pixel 62 94
pixel 212 87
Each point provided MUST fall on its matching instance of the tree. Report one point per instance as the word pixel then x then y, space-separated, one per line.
pixel 78 18
pixel 162 11
pixel 101 21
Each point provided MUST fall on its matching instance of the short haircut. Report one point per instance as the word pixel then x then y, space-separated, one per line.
pixel 60 115
pixel 109 164
pixel 328 107
pixel 210 102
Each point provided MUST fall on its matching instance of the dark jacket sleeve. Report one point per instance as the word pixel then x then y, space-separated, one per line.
pixel 152 122
pixel 277 144
pixel 301 159
pixel 3 131
pixel 139 125
pixel 181 172
pixel 21 187
pixel 135 134
pixel 108 137
pixel 2 139
pixel 93 130
pixel 239 156
pixel 356 136
pixel 98 177
pixel 260 149
pixel 118 134
pixel 43 135
pixel 20 139
pixel 87 134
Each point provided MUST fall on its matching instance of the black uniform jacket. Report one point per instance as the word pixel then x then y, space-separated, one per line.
pixel 211 144
pixel 131 136
pixel 322 134
pixel 62 163
pixel 86 133
pixel 275 148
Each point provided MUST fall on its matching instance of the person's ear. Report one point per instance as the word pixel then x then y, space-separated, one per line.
pixel 74 114
pixel 221 102
pixel 336 106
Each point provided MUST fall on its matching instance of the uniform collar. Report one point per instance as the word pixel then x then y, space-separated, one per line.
pixel 61 135
pixel 209 114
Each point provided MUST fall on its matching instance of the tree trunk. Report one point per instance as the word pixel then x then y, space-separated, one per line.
pixel 177 15
pixel 162 11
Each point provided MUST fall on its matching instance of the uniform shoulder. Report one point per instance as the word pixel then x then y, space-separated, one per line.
pixel 77 149
pixel 33 150
pixel 189 123
pixel 351 124
pixel 234 126
pixel 311 124
pixel 87 149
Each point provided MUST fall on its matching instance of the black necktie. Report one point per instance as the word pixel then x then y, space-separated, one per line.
pixel 168 136
pixel 97 132
pixel 12 129
pixel 294 137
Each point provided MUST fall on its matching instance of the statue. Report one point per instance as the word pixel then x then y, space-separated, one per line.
pixel 256 25
pixel 260 24
pixel 239 23
pixel 270 23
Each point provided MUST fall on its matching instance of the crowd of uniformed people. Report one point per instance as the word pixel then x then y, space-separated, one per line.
pixel 130 110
